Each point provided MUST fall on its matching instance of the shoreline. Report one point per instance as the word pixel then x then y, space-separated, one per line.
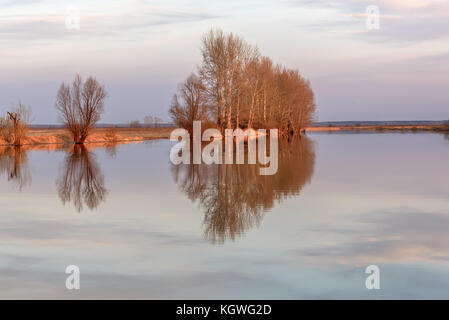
pixel 58 136
pixel 101 136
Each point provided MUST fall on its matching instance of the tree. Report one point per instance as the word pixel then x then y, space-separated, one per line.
pixel 223 57
pixel 148 121
pixel 189 104
pixel 14 164
pixel 80 106
pixel 14 126
pixel 243 89
pixel 134 124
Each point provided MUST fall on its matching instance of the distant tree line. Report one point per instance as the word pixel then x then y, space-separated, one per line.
pixel 237 87
pixel 80 106
pixel 148 122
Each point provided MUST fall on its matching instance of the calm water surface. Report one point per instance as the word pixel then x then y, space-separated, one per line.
pixel 140 227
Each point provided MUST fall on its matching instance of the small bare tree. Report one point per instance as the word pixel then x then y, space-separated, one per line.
pixel 80 106
pixel 189 104
pixel 157 122
pixel 148 121
pixel 14 126
pixel 134 124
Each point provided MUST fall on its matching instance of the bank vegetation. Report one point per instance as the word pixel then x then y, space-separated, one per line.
pixel 237 87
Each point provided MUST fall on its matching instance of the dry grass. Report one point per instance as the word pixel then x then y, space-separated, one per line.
pixel 100 135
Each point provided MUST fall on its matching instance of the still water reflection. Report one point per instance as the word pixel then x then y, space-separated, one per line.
pixel 14 165
pixel 338 203
pixel 81 181
pixel 234 198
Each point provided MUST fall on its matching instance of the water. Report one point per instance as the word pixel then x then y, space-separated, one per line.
pixel 139 227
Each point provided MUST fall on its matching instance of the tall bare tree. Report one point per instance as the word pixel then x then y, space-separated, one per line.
pixel 14 164
pixel 80 106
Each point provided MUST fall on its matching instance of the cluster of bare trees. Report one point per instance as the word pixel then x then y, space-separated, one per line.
pixel 236 87
pixel 14 125
pixel 150 121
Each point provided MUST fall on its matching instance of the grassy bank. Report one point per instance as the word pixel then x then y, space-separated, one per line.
pixel 383 128
pixel 56 136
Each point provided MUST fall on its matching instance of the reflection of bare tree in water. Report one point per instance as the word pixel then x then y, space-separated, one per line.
pixel 235 197
pixel 111 149
pixel 80 180
pixel 14 164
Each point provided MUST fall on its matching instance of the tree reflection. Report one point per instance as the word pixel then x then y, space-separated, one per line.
pixel 14 165
pixel 81 181
pixel 235 197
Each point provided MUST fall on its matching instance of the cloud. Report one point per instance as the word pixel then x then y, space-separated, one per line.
pixel 114 23
pixel 403 22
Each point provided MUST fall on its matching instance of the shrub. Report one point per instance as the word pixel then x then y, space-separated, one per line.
pixel 14 125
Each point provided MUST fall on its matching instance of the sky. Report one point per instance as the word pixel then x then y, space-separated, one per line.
pixel 142 50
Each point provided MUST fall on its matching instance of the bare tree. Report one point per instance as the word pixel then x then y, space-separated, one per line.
pixel 189 104
pixel 14 126
pixel 80 106
pixel 14 164
pixel 148 121
pixel 81 180
pixel 223 58
pixel 157 121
